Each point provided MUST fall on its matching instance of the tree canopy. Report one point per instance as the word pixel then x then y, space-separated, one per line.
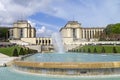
pixel 111 32
pixel 112 29
pixel 3 32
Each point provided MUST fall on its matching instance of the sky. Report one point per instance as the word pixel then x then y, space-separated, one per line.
pixel 48 16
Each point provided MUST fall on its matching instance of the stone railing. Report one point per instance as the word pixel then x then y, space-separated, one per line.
pixel 92 65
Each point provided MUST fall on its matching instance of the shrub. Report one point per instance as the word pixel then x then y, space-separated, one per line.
pixel 15 53
pixel 79 50
pixel 21 52
pixel 89 51
pixel 103 50
pixel 84 50
pixel 114 50
pixel 95 50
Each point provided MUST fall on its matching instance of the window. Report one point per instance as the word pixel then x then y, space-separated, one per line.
pixel 21 32
pixel 74 33
pixel 36 41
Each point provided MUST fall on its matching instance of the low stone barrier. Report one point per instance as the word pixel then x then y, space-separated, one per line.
pixel 65 68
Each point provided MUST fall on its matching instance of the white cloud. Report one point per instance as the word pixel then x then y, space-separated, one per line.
pixel 89 12
pixel 42 29
pixel 2 8
pixel 43 32
pixel 16 9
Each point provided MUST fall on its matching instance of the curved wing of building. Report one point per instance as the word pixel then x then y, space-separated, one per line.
pixel 73 32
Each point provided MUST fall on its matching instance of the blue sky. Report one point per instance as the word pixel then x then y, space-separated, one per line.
pixel 50 15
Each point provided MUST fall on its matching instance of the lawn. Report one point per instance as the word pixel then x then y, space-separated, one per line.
pixel 91 49
pixel 9 50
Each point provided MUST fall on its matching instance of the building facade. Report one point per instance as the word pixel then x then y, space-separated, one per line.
pixel 22 29
pixel 25 33
pixel 73 32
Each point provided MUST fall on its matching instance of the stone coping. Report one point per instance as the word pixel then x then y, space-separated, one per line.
pixel 68 65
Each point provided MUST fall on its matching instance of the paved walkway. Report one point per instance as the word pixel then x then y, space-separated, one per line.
pixel 4 59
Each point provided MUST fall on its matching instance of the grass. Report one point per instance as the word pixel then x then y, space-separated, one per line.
pixel 9 50
pixel 108 48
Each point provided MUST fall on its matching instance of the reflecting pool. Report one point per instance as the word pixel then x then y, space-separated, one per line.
pixel 73 57
pixel 10 74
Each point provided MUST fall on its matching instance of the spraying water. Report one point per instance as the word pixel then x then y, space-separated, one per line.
pixel 57 43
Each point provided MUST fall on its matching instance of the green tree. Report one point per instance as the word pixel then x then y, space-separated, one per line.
pixel 84 50
pixel 103 50
pixel 95 50
pixel 114 50
pixel 21 52
pixel 111 32
pixel 3 33
pixel 89 51
pixel 79 50
pixel 15 53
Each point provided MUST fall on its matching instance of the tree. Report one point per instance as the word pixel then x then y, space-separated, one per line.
pixel 111 32
pixel 21 52
pixel 95 50
pixel 84 50
pixel 15 53
pixel 103 50
pixel 3 33
pixel 89 51
pixel 114 50
pixel 79 50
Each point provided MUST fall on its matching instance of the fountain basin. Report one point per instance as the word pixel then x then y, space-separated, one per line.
pixel 70 67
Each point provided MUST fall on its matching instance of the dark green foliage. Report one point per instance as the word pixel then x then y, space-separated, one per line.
pixel 25 51
pixel 79 50
pixel 103 50
pixel 22 52
pixel 111 32
pixel 84 50
pixel 3 33
pixel 89 51
pixel 114 50
pixel 30 51
pixel 95 50
pixel 15 53
pixel 112 28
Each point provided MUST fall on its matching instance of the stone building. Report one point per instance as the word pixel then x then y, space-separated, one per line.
pixel 24 32
pixel 73 32
pixel 22 29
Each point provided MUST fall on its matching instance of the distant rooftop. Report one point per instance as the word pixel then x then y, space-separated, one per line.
pixel 73 22
pixel 22 21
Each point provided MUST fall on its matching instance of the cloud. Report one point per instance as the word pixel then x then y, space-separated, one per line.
pixel 42 29
pixel 91 13
pixel 2 8
pixel 43 32
pixel 12 10
pixel 38 24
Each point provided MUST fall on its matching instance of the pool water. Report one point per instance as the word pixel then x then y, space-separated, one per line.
pixel 8 73
pixel 73 57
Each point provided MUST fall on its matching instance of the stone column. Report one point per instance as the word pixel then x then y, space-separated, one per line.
pixel 89 34
pixel 86 34
pixel 83 33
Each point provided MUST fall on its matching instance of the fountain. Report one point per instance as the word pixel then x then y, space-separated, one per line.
pixel 57 43
pixel 82 65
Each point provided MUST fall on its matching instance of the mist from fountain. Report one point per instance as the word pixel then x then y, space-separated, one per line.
pixel 57 43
